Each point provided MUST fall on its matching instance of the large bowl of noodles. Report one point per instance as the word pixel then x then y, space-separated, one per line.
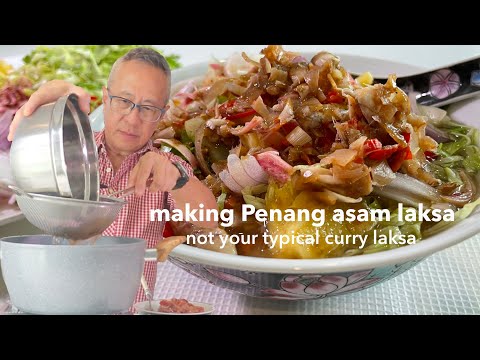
pixel 282 131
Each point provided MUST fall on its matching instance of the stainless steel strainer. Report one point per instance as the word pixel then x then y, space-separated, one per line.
pixel 66 217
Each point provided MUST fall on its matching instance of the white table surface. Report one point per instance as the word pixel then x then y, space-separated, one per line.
pixel 445 283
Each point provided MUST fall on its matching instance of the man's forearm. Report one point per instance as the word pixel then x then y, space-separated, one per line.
pixel 195 193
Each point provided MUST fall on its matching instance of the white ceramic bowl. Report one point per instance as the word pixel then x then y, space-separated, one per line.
pixel 319 278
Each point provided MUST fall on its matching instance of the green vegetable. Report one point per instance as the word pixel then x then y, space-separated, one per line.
pixel 384 227
pixel 461 152
pixel 87 66
pixel 249 197
pixel 221 201
pixel 257 202
pixel 453 177
pixel 451 148
pixel 221 99
pixel 472 159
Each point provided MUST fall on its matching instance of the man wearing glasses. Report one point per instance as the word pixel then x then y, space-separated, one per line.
pixel 134 101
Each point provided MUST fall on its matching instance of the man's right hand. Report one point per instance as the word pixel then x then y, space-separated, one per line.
pixel 48 93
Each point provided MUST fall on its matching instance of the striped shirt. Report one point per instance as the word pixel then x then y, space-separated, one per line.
pixel 134 218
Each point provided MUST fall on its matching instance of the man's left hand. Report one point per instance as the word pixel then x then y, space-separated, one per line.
pixel 164 174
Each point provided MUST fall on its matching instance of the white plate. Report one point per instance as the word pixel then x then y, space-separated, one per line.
pixel 143 308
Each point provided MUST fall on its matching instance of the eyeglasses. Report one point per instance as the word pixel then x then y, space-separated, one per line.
pixel 124 106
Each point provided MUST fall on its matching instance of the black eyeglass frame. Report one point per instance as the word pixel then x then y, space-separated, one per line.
pixel 139 106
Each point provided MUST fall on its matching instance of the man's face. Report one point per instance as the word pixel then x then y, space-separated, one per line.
pixel 142 84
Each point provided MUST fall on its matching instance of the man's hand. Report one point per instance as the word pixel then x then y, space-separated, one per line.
pixel 164 174
pixel 48 93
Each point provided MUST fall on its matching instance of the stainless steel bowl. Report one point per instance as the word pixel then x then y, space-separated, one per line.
pixel 69 218
pixel 54 151
pixel 42 278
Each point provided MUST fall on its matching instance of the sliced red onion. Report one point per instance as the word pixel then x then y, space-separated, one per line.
pixel 167 133
pixel 436 134
pixel 299 59
pixel 230 182
pixel 5 121
pixel 254 170
pixel 238 172
pixel 468 191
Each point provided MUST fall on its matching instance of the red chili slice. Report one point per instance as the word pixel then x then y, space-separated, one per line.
pixel 430 155
pixel 334 97
pixel 383 153
pixel 397 159
pixel 227 110
pixel 371 145
pixel 241 115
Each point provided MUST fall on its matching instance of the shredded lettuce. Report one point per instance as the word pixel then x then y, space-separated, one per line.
pixel 392 227
pixel 403 227
pixel 249 197
pixel 462 152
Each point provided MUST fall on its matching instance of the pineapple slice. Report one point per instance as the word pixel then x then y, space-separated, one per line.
pixel 299 231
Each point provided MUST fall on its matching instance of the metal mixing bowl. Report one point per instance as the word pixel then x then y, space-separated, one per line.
pixel 68 218
pixel 42 278
pixel 54 151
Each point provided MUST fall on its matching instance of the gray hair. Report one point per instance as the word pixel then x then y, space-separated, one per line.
pixel 148 56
